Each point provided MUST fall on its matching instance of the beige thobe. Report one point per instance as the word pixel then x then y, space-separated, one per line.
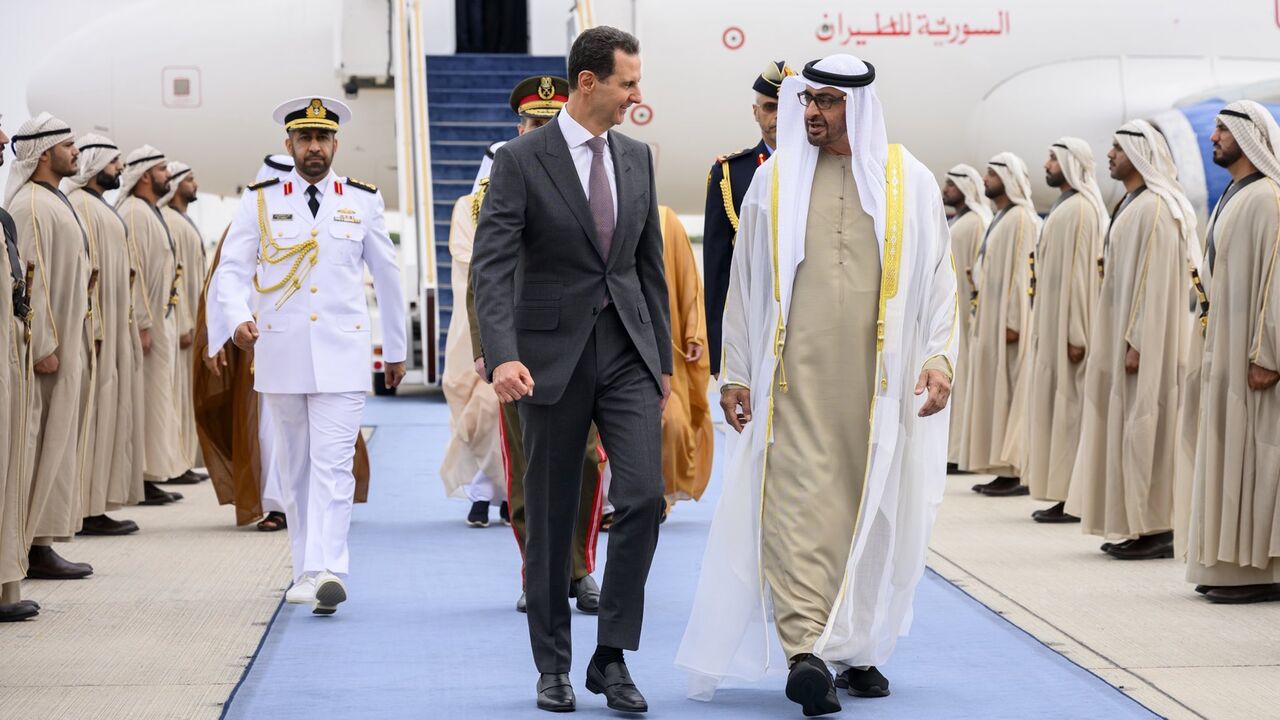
pixel 966 237
pixel 50 234
pixel 816 467
pixel 190 246
pixel 1066 292
pixel 1122 482
pixel 15 402
pixel 475 444
pixel 154 249
pixel 1003 277
pixel 110 481
pixel 1235 515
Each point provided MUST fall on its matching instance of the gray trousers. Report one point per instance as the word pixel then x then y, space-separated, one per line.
pixel 612 387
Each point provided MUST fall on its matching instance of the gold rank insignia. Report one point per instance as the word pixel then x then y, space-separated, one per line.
pixel 315 109
pixel 546 89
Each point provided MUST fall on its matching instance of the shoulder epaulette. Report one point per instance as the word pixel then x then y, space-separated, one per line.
pixel 362 185
pixel 741 153
pixel 265 183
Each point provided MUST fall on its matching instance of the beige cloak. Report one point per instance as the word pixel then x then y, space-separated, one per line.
pixel 156 255
pixel 475 442
pixel 1066 292
pixel 966 238
pixel 1003 277
pixel 190 247
pixel 1235 509
pixel 15 430
pixel 50 234
pixel 111 480
pixel 1122 482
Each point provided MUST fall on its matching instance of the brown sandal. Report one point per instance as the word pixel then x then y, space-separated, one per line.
pixel 273 522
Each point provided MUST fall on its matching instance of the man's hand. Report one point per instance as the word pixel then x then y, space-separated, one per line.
pixel 735 400
pixel 392 374
pixel 1261 378
pixel 692 352
pixel 1075 354
pixel 480 369
pixel 512 381
pixel 187 340
pixel 939 388
pixel 145 337
pixel 47 365
pixel 1010 336
pixel 1131 361
pixel 246 335
pixel 215 363
pixel 666 391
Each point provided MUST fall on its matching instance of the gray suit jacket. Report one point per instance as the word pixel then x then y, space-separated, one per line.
pixel 539 280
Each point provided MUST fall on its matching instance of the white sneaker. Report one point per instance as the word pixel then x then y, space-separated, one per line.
pixel 302 592
pixel 329 592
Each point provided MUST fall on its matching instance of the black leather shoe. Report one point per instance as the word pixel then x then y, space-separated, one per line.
pixel 555 693
pixel 17 612
pixel 869 683
pixel 1005 487
pixel 1106 546
pixel 614 682
pixel 1055 514
pixel 45 564
pixel 1244 594
pixel 954 469
pixel 810 685
pixel 186 478
pixel 587 593
pixel 103 525
pixel 522 605
pixel 155 496
pixel 1147 547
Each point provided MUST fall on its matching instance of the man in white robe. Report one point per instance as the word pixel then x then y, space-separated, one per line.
pixel 1123 477
pixel 841 309
pixel 1234 545
pixel 109 480
pixel 963 192
pixel 1065 295
pixel 995 413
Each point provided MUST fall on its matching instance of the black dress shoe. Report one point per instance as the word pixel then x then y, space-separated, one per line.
pixel 32 603
pixel 587 593
pixel 1204 589
pixel 614 682
pixel 45 564
pixel 1244 594
pixel 869 683
pixel 103 525
pixel 479 515
pixel 1055 514
pixel 954 469
pixel 1106 546
pixel 522 605
pixel 199 476
pixel 156 496
pixel 809 684
pixel 1147 547
pixel 1004 486
pixel 17 612
pixel 555 693
pixel 186 478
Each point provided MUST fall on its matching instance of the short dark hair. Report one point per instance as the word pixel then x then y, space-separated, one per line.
pixel 594 48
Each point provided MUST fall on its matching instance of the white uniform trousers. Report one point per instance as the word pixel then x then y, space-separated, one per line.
pixel 483 488
pixel 313 451
pixel 269 483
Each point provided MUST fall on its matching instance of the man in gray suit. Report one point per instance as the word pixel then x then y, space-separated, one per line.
pixel 570 293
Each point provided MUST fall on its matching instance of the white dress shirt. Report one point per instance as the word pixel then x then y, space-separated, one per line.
pixel 576 137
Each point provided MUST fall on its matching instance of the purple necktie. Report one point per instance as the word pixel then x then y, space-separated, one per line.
pixel 600 197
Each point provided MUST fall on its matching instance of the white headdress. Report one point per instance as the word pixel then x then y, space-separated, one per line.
pixel 1012 171
pixel 34 137
pixel 177 169
pixel 969 181
pixel 1078 166
pixel 136 164
pixel 1256 133
pixel 1147 150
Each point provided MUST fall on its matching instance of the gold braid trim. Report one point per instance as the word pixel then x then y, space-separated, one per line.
pixel 272 253
pixel 726 191
pixel 477 199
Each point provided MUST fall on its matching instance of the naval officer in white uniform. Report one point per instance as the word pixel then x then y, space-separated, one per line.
pixel 290 285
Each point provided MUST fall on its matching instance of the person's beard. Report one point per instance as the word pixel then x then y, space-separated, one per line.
pixel 107 181
pixel 1225 158
pixel 160 189
pixel 190 197
pixel 992 193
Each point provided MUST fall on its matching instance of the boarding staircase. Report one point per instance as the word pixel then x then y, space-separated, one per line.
pixel 467 110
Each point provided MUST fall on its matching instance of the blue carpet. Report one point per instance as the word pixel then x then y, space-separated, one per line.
pixel 431 629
